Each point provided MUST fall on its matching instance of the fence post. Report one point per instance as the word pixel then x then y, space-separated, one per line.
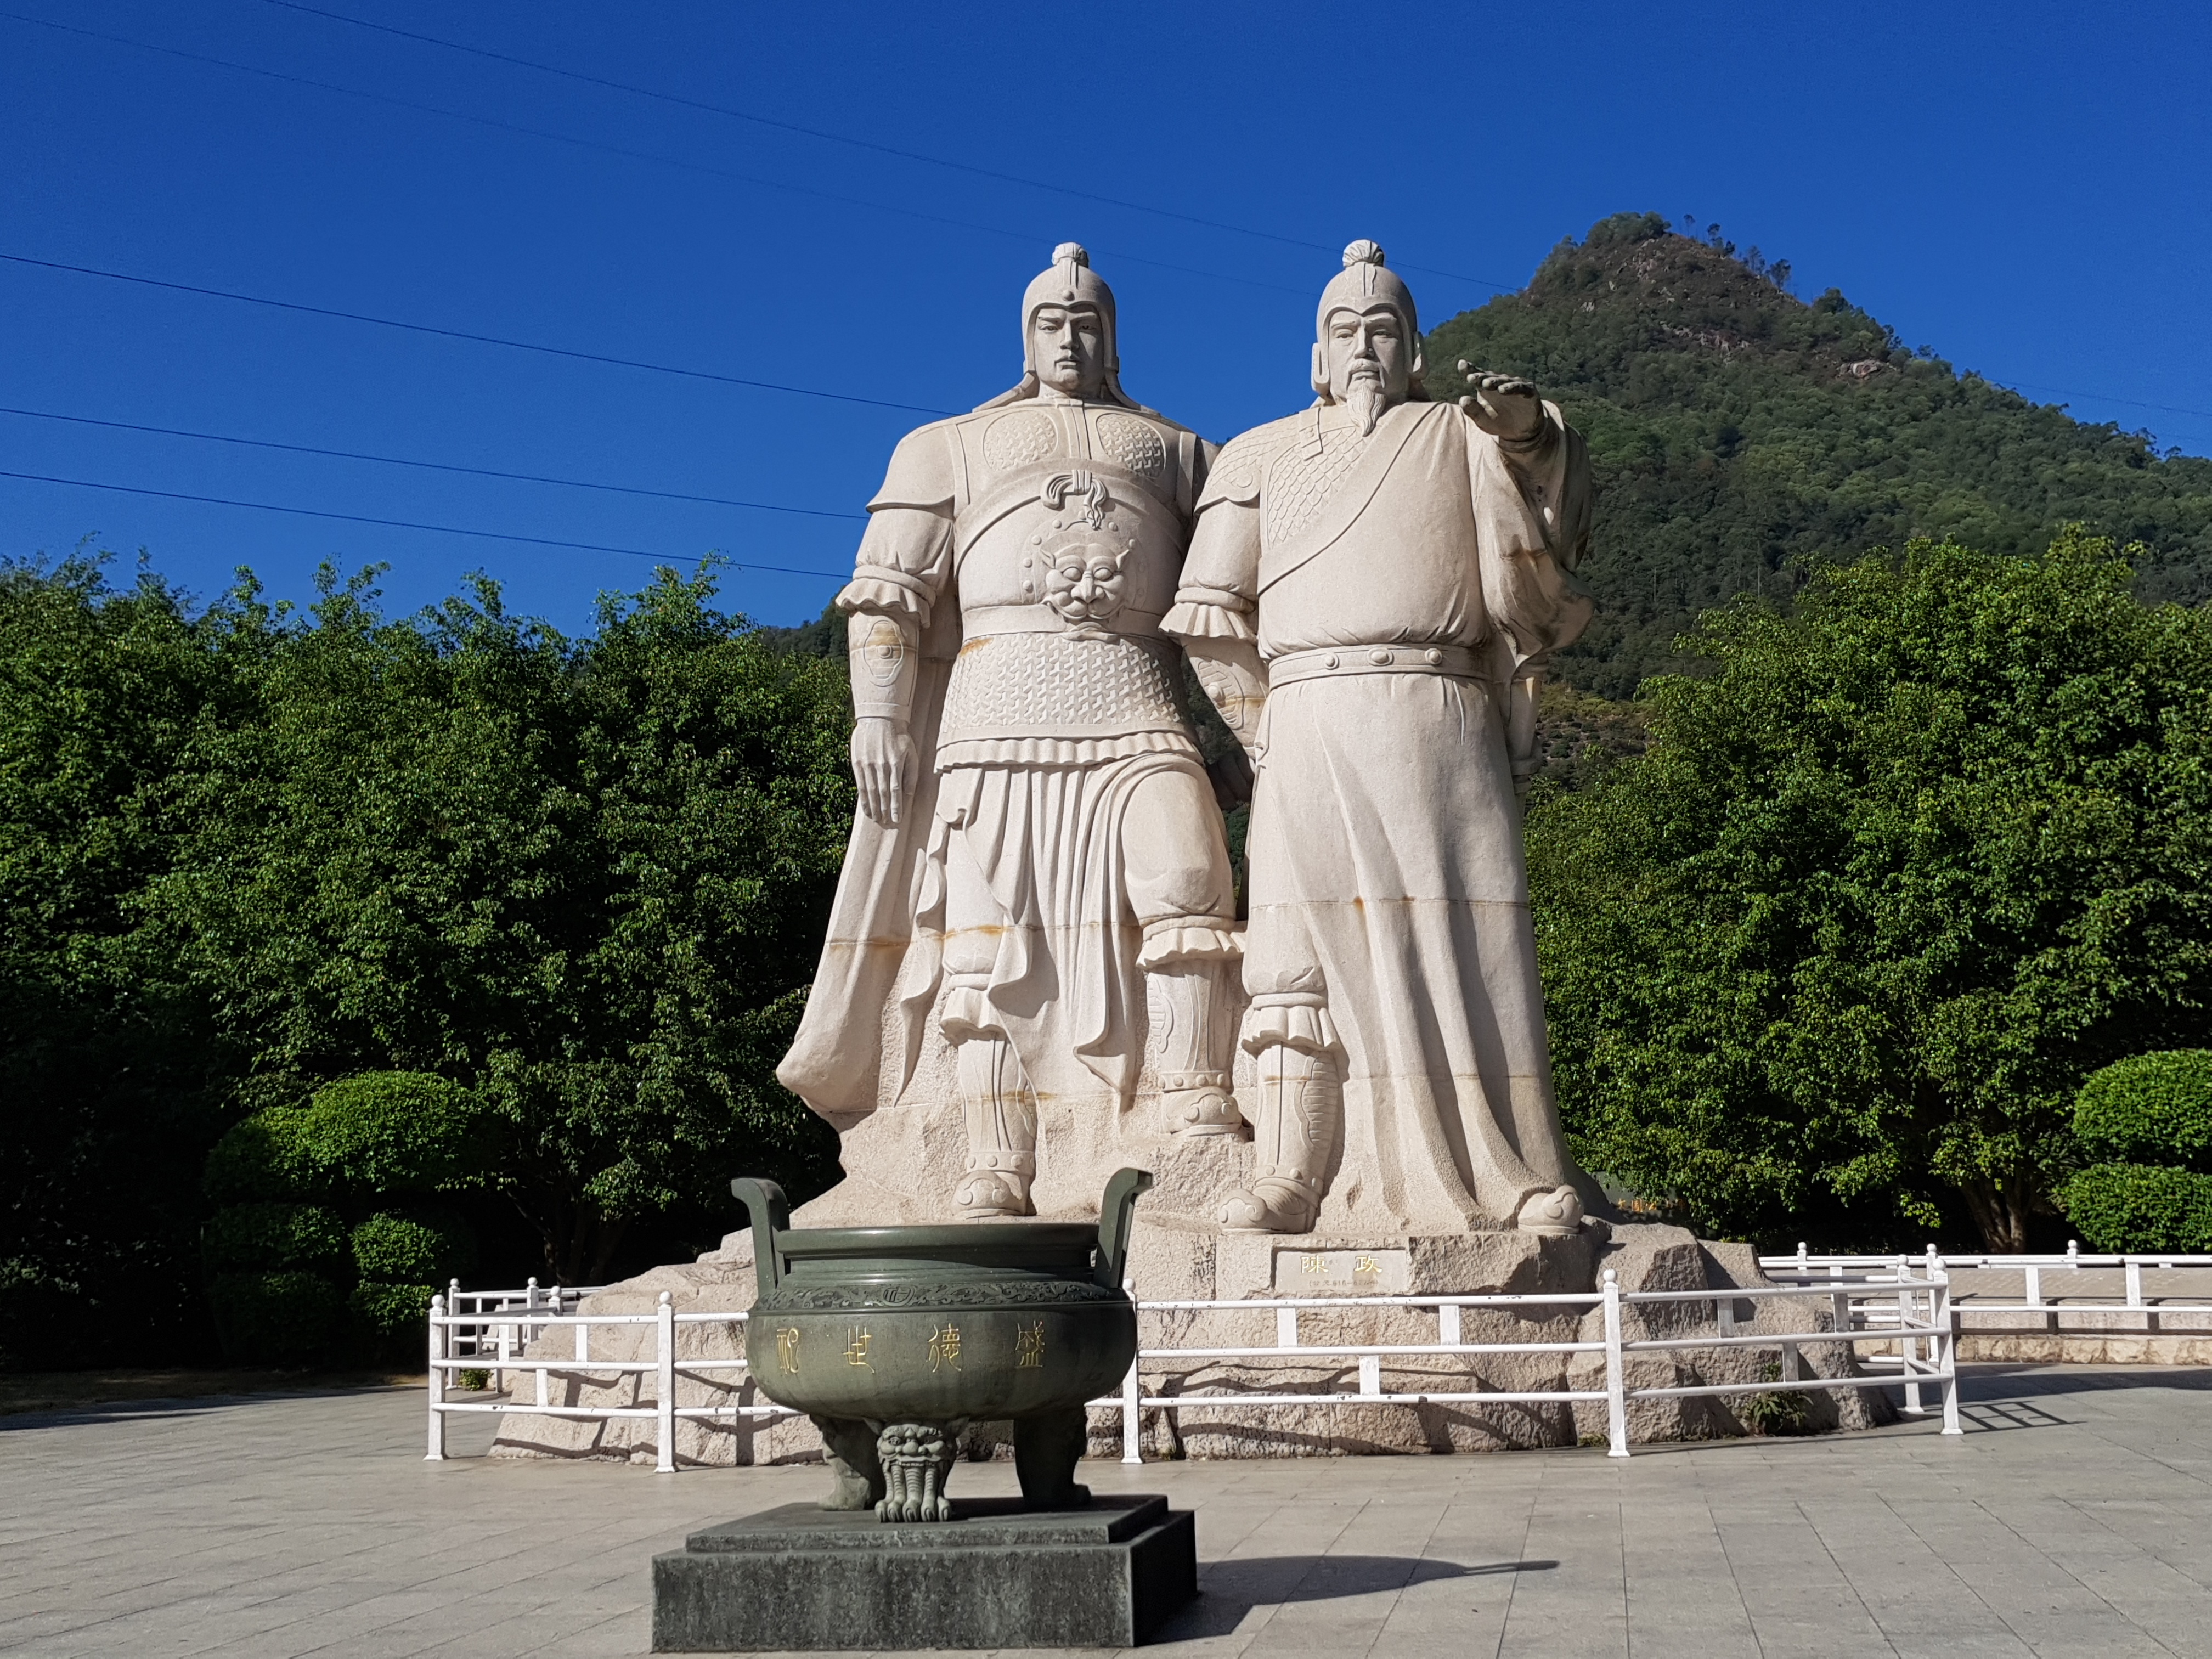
pixel 664 1331
pixel 1616 1396
pixel 1132 1436
pixel 1908 1347
pixel 1945 1318
pixel 437 1386
pixel 2134 1283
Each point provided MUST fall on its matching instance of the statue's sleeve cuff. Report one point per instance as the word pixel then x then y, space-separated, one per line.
pixel 1190 938
pixel 885 594
pixel 1290 1019
pixel 1209 613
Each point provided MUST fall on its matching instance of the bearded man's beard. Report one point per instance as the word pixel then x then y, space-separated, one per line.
pixel 1366 399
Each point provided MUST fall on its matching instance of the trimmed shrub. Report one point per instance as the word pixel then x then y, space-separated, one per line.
pixel 392 1249
pixel 284 1175
pixel 259 1160
pixel 271 1236
pixel 394 1132
pixel 2138 1209
pixel 387 1321
pixel 284 1319
pixel 2148 1109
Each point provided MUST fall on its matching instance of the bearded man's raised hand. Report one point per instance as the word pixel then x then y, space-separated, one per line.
pixel 1503 405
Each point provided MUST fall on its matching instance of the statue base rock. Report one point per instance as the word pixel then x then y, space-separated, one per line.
pixel 1175 1256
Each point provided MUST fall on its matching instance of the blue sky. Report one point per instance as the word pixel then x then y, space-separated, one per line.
pixel 2023 188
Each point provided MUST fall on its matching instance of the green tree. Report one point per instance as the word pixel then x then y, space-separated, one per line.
pixel 1834 954
pixel 112 1070
pixel 586 878
pixel 246 851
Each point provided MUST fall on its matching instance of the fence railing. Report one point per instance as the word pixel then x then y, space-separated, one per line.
pixel 497 1325
pixel 1909 1315
pixel 2070 1282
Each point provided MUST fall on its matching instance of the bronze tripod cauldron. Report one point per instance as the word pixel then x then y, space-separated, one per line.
pixel 894 1340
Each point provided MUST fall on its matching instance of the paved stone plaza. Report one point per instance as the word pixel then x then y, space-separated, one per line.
pixel 2074 1518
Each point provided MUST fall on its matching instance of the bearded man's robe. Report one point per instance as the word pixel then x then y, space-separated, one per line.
pixel 1396 583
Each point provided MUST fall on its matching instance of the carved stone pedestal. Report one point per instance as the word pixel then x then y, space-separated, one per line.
pixel 995 1576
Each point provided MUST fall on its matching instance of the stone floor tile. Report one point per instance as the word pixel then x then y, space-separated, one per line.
pixel 2070 1521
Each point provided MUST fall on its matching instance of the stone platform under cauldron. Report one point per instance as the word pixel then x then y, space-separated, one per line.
pixel 995 1574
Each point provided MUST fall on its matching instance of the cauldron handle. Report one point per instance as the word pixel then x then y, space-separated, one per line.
pixel 769 1213
pixel 1115 1211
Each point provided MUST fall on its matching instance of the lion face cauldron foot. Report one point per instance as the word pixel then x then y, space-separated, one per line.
pixel 917 1462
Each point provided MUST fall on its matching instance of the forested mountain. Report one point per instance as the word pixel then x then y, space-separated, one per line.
pixel 1739 433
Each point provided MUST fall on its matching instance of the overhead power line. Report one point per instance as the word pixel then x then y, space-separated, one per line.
pixel 709 171
pixel 410 524
pixel 856 143
pixel 431 466
pixel 705 169
pixel 464 334
pixel 2096 397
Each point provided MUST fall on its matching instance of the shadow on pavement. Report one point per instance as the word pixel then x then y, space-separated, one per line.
pixel 1987 1415
pixel 115 1410
pixel 1227 1591
pixel 1992 1380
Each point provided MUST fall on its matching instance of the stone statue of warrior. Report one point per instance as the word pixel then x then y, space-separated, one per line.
pixel 1372 593
pixel 1036 835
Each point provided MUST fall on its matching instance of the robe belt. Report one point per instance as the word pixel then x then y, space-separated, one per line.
pixel 1457 662
pixel 977 621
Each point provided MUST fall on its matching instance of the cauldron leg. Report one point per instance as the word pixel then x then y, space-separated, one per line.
pixel 1047 1448
pixel 917 1461
pixel 857 1473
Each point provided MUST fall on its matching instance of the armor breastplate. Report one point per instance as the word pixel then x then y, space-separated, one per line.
pixel 1068 544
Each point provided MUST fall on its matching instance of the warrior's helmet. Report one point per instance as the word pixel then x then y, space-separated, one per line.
pixel 1363 282
pixel 1070 280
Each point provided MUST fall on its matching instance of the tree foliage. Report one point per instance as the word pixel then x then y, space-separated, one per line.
pixel 113 1068
pixel 311 1190
pixel 1738 436
pixel 246 852
pixel 1833 957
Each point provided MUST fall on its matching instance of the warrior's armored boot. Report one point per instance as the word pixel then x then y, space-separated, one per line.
pixel 997 1104
pixel 1191 1039
pixel 1301 1102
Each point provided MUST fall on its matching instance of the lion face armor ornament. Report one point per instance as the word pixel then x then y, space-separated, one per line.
pixel 1084 554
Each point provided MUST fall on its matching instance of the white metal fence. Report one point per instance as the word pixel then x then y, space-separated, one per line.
pixel 493 1326
pixel 1896 1309
pixel 2073 1283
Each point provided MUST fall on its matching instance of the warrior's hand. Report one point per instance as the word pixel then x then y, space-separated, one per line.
pixel 1503 405
pixel 884 766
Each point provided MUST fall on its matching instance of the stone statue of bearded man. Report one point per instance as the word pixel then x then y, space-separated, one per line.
pixel 1036 837
pixel 1372 593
